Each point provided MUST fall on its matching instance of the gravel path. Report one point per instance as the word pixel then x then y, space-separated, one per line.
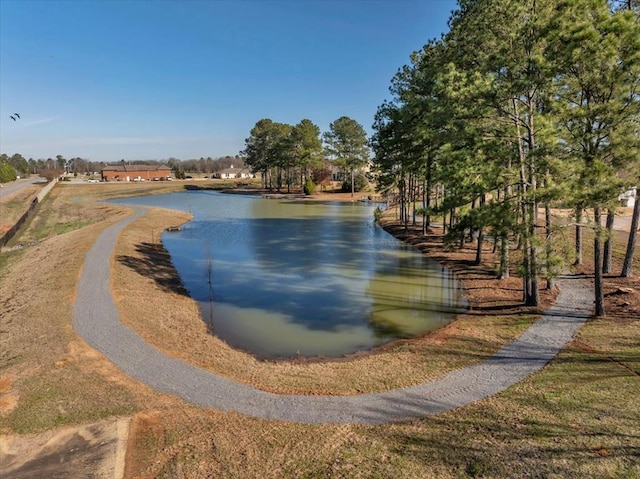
pixel 96 320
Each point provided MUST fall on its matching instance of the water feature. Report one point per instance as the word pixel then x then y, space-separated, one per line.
pixel 279 278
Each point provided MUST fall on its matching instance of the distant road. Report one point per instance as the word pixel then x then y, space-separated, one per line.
pixel 10 188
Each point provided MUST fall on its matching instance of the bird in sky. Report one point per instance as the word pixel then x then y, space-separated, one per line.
pixel 14 116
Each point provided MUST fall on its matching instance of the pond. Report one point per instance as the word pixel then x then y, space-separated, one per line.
pixel 281 278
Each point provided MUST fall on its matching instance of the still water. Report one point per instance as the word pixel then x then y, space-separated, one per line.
pixel 280 278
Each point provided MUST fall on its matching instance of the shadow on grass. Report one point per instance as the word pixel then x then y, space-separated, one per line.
pixel 564 423
pixel 153 261
pixel 487 442
pixel 492 446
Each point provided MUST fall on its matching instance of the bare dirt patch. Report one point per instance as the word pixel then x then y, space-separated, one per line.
pixel 93 450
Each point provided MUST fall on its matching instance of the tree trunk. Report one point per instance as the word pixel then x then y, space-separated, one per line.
pixel 608 244
pixel 426 204
pixel 444 212
pixel 504 256
pixel 627 267
pixel 549 246
pixel 524 239
pixel 279 179
pixel 597 264
pixel 480 234
pixel 403 200
pixel 412 199
pixel 427 198
pixel 479 246
pixel 578 260
pixel 353 184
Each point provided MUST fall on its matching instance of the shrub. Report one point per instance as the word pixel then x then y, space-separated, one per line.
pixel 309 187
pixel 50 174
pixel 7 173
pixel 359 183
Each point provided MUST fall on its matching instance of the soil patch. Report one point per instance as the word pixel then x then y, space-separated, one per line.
pixel 93 450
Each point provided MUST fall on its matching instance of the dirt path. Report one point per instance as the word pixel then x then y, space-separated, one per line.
pixel 96 320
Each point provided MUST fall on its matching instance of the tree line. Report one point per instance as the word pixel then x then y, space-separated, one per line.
pixel 523 105
pixel 290 155
pixel 16 165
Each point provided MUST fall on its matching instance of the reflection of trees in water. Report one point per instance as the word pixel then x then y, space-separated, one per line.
pixel 410 295
pixel 323 267
pixel 305 244
pixel 295 266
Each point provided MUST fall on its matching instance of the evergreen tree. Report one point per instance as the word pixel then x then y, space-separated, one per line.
pixel 597 54
pixel 346 142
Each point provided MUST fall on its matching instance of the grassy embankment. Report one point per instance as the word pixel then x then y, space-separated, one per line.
pixel 576 418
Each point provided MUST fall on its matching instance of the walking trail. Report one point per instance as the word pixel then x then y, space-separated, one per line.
pixel 96 320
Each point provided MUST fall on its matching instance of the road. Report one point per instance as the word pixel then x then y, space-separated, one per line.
pixel 15 186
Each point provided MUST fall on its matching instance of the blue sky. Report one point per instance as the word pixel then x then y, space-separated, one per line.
pixel 134 80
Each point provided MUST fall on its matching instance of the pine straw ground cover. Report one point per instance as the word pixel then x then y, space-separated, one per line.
pixel 578 417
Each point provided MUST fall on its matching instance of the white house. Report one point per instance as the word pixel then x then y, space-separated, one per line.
pixel 628 198
pixel 233 173
pixel 340 174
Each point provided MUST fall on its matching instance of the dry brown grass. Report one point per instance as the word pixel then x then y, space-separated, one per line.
pixel 577 418
pixel 54 374
pixel 13 206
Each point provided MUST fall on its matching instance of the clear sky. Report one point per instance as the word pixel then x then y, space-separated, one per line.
pixel 145 79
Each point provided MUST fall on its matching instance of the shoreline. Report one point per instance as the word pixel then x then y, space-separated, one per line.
pixel 301 359
pixel 390 227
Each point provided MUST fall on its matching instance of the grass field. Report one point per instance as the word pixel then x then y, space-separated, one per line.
pixel 577 418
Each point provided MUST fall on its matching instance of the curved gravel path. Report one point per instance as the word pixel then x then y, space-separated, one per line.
pixel 96 320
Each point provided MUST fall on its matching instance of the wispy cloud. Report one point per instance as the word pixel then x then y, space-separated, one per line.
pixel 39 121
pixel 24 122
pixel 125 140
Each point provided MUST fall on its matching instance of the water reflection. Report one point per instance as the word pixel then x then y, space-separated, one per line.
pixel 280 278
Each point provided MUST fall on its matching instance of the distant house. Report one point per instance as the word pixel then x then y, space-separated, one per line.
pixel 135 173
pixel 338 173
pixel 233 173
pixel 629 197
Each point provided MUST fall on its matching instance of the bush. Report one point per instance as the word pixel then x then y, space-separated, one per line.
pixel 309 187
pixel 50 174
pixel 359 183
pixel 7 173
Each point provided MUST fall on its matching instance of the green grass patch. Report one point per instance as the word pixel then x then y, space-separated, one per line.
pixel 7 259
pixel 67 395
